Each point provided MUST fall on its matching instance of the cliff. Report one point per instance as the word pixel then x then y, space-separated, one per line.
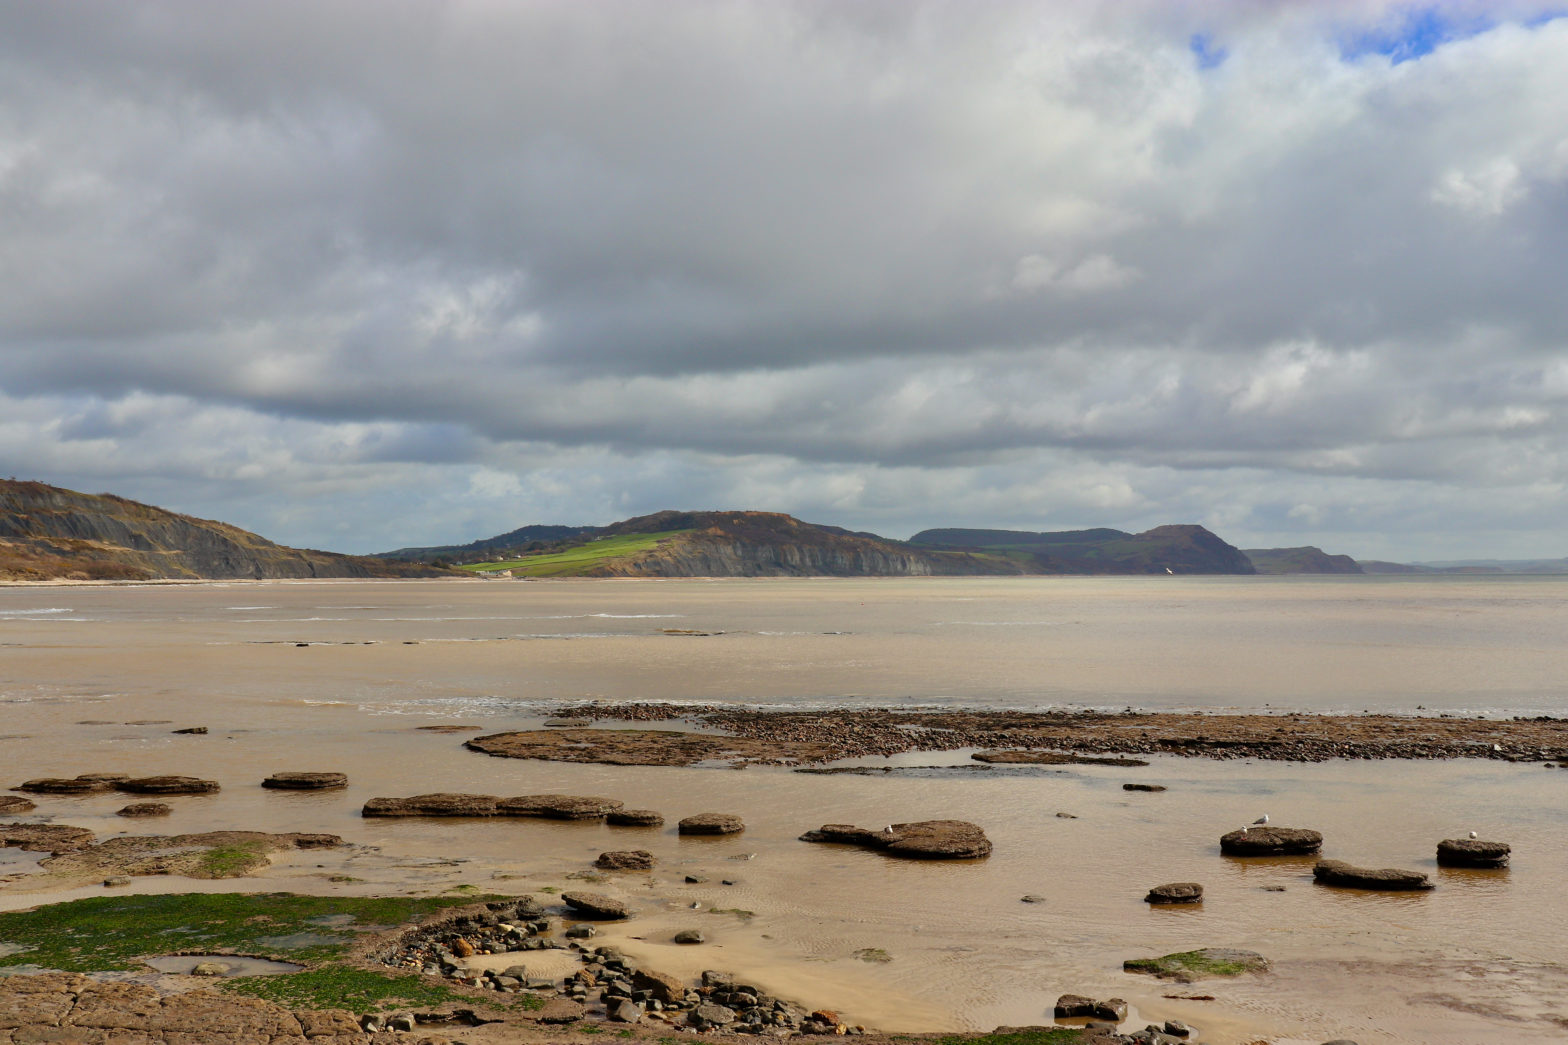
pixel 1180 548
pixel 769 544
pixel 48 533
pixel 1300 560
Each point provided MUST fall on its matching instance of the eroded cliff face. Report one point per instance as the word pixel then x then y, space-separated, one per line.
pixel 765 544
pixel 722 558
pixel 51 533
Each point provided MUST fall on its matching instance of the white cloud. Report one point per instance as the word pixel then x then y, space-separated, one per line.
pixel 912 256
pixel 1486 191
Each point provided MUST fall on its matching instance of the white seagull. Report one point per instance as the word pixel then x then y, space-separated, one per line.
pixel 1259 822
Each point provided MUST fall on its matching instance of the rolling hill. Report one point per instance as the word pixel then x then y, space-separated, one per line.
pixel 49 533
pixel 756 544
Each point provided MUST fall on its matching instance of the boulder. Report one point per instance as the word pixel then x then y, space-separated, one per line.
pixel 690 936
pixel 595 905
pixel 711 824
pixel 11 805
pixel 1271 841
pixel 633 818
pixel 305 781
pixel 708 1014
pixel 438 804
pixel 64 786
pixel 664 987
pixel 623 1010
pixel 1472 852
pixel 210 969
pixel 558 807
pixel 1337 872
pixel 924 839
pixel 560 1010
pixel 1113 1009
pixel 1176 892
pixel 1073 1006
pixel 168 785
pixel 139 809
pixel 625 860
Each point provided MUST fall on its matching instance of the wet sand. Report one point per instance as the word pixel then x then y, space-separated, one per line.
pixel 1477 958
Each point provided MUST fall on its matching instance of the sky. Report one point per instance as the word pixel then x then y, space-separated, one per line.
pixel 364 275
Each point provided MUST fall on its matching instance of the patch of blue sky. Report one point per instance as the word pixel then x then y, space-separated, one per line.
pixel 1414 33
pixel 1551 14
pixel 1209 54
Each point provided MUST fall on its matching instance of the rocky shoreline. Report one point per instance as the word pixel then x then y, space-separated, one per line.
pixel 743 736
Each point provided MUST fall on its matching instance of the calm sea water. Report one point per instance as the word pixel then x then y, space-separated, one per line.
pixel 95 678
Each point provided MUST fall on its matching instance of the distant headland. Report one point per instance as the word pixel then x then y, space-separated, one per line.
pixel 52 534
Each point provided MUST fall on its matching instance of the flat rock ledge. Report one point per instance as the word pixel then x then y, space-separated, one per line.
pixel 595 905
pixel 558 807
pixel 1472 852
pixel 1055 758
pixel 45 838
pixel 1271 841
pixel 97 783
pixel 711 824
pixel 87 784
pixel 1188 966
pixel 1347 876
pixel 67 1007
pixel 168 785
pixel 11 805
pixel 305 781
pixel 922 840
pixel 141 809
pixel 1176 892
pixel 551 807
pixel 633 818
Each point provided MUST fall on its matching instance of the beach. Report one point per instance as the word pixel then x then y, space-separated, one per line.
pixel 344 676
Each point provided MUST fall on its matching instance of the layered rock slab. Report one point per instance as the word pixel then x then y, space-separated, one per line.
pixel 1271 841
pixel 551 807
pixel 921 840
pixel 711 824
pixel 1348 876
pixel 305 781
pixel 1472 852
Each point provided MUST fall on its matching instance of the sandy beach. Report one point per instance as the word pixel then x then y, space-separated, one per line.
pixel 1476 954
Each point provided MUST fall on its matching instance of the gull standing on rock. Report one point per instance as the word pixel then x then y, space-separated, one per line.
pixel 1261 821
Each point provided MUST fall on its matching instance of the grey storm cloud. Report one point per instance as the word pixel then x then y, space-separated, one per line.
pixel 1292 270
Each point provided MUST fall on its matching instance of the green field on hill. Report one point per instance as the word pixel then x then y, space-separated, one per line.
pixel 574 562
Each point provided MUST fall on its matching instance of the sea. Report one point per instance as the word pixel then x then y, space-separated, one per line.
pixel 345 675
